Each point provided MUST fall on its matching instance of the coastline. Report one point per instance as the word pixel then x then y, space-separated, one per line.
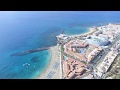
pixel 49 69
pixel 55 57
pixel 90 30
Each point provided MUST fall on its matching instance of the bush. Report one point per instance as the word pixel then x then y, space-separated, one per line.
pixel 117 77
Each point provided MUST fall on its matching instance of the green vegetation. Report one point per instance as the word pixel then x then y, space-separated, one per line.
pixel 83 62
pixel 62 50
pixel 117 77
pixel 115 69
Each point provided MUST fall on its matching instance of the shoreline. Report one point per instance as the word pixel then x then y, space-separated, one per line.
pixel 54 58
pixel 54 53
pixel 45 70
pixel 90 30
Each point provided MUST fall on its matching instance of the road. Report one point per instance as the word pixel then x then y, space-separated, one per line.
pixel 100 58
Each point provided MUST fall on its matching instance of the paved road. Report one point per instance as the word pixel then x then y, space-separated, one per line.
pixel 102 55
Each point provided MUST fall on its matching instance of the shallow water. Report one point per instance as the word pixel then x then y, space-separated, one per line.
pixel 20 31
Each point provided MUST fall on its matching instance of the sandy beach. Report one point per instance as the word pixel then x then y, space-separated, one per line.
pixel 52 71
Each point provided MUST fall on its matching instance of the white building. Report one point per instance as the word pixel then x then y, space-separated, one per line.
pixel 103 67
pixel 62 38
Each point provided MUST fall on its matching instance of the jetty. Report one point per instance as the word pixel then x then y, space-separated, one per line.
pixel 29 51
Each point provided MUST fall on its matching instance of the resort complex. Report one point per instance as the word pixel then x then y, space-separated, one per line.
pixel 90 55
pixel 60 45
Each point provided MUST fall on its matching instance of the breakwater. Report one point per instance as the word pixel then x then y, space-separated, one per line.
pixel 29 51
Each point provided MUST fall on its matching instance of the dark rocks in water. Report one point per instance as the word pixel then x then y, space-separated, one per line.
pixel 35 59
pixel 29 51
pixel 52 35
pixel 20 54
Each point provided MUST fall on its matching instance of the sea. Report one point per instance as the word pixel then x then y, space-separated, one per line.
pixel 27 30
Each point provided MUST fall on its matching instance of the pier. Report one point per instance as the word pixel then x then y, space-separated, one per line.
pixel 29 51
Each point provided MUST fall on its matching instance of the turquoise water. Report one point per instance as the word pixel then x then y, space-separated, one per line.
pixel 26 30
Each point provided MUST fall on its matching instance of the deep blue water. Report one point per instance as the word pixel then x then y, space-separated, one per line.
pixel 20 31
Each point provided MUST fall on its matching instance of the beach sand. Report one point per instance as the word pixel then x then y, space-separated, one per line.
pixel 50 72
pixel 54 73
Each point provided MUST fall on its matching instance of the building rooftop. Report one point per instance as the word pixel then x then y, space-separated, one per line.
pixel 88 77
pixel 82 51
pixel 72 67
pixel 98 40
pixel 61 35
pixel 106 63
